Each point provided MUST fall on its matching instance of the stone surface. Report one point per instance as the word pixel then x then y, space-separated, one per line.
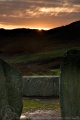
pixel 10 92
pixel 41 86
pixel 70 86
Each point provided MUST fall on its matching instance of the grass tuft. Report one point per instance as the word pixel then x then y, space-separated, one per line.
pixel 40 104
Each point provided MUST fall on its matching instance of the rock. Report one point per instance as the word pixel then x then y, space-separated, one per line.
pixel 41 86
pixel 70 86
pixel 10 92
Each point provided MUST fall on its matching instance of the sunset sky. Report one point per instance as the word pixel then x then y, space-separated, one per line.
pixel 41 14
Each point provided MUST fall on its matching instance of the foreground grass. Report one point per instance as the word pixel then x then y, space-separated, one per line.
pixel 30 104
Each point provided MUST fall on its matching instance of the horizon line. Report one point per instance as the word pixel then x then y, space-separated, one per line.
pixel 38 28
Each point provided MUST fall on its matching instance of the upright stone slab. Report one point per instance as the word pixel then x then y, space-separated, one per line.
pixel 10 92
pixel 70 86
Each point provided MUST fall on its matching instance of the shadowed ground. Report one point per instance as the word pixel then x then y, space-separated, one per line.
pixel 45 108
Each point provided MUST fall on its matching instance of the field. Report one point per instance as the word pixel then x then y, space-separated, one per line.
pixel 43 63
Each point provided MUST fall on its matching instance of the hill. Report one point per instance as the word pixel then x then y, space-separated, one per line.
pixel 34 51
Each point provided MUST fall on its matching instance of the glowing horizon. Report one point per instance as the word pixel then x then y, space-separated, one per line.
pixel 16 27
pixel 27 27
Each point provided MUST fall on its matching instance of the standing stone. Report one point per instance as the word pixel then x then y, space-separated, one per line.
pixel 10 92
pixel 70 86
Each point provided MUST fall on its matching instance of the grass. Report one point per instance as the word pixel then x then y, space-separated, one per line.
pixel 38 56
pixel 30 104
pixel 55 72
pixel 36 68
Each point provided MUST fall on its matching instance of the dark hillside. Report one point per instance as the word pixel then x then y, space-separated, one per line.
pixel 68 33
pixel 32 41
pixel 38 51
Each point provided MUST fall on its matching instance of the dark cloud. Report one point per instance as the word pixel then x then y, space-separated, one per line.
pixel 74 1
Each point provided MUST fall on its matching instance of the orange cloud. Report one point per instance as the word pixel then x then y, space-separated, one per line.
pixel 40 13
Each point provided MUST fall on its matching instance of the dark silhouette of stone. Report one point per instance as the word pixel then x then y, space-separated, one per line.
pixel 70 86
pixel 10 92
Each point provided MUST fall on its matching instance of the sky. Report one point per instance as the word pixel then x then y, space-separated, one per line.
pixel 38 14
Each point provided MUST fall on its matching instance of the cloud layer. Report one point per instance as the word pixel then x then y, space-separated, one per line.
pixel 38 13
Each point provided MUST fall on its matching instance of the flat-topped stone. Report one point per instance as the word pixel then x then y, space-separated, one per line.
pixel 40 86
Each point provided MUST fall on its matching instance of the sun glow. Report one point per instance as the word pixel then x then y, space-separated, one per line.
pixel 40 29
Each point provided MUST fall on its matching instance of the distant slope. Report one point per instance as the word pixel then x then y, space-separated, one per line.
pixel 34 41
